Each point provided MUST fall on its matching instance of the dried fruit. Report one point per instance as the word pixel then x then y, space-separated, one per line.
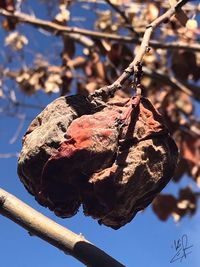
pixel 113 159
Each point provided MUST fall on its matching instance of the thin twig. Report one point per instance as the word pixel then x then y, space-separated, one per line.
pixel 76 33
pixel 107 91
pixel 55 234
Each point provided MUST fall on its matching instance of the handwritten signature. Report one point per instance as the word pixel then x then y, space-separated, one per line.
pixel 182 249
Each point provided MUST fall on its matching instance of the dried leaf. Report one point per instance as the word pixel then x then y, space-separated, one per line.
pixel 187 200
pixel 16 40
pixel 23 76
pixel 53 83
pixel 164 205
pixel 181 169
pixel 184 103
pixel 8 5
pixel 184 64
pixel 190 148
pixel 104 21
pixel 9 24
pixel 64 15
pixel 115 53
pixel 30 80
pixel 35 79
pixel 98 66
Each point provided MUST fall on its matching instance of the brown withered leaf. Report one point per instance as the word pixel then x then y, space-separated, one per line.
pixel 63 16
pixel 9 24
pixel 52 83
pixel 184 103
pixel 164 205
pixel 190 148
pixel 181 169
pixel 104 21
pixel 184 64
pixel 114 66
pixel 114 53
pixel 98 66
pixel 16 40
pixel 170 112
pixel 187 201
pixel 8 5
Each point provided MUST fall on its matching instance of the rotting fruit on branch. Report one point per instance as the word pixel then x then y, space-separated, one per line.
pixel 112 159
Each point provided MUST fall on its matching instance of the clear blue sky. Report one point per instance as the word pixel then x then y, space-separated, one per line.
pixel 145 241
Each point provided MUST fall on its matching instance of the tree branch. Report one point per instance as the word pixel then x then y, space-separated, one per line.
pixel 80 35
pixel 55 234
pixel 107 91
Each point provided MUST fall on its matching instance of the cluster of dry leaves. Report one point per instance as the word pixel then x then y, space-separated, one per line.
pixel 171 76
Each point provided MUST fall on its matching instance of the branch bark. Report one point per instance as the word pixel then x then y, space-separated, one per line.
pixel 55 234
pixel 81 35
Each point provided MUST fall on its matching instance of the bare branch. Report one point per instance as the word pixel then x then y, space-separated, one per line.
pixel 108 91
pixel 78 33
pixel 55 234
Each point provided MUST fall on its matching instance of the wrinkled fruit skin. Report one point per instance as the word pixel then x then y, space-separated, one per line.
pixel 113 160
